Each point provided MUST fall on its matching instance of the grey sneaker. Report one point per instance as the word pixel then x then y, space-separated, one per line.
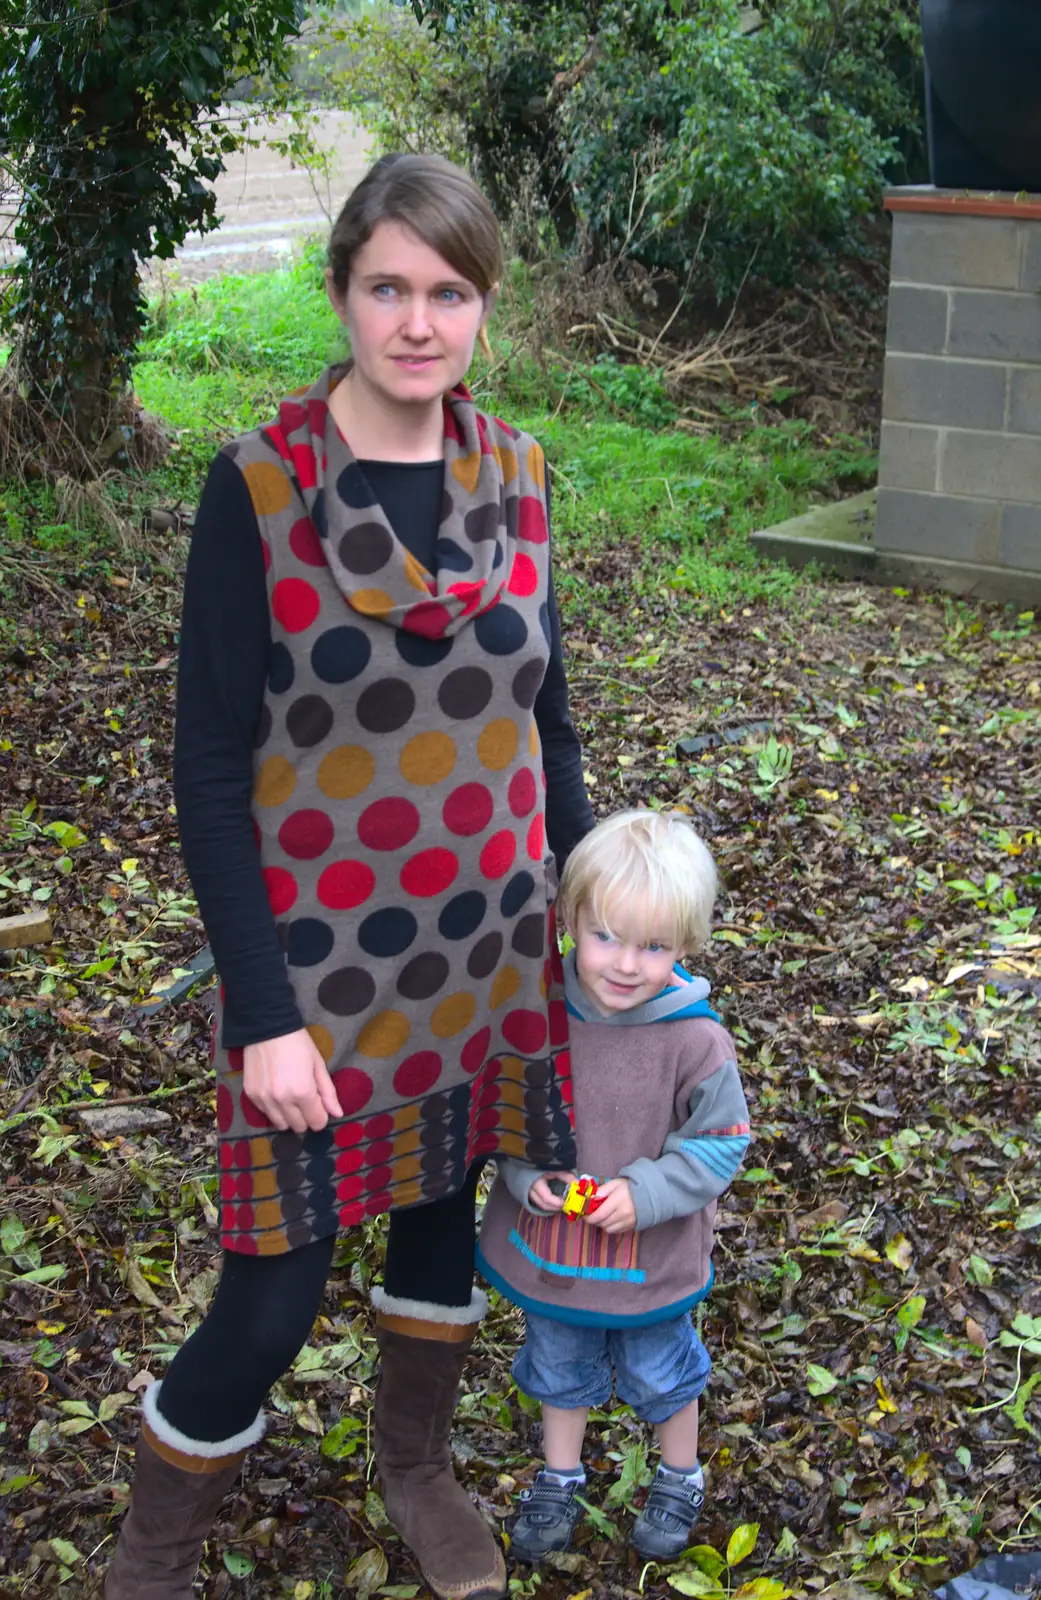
pixel 663 1529
pixel 547 1518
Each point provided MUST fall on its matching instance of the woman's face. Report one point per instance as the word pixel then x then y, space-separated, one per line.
pixel 412 319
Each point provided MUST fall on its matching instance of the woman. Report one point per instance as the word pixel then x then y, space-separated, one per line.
pixel 371 703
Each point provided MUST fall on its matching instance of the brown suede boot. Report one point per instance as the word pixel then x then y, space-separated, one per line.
pixel 174 1501
pixel 422 1362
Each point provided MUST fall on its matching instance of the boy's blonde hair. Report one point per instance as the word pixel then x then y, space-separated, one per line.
pixel 651 864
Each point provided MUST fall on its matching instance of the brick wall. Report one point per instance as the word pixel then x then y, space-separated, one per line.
pixel 960 464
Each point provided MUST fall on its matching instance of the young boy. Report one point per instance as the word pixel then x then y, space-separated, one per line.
pixel 660 1115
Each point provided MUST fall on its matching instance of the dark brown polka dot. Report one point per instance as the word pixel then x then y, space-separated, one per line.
pixel 484 957
pixel 482 523
pixel 467 691
pixel 386 706
pixel 347 992
pixel 366 548
pixel 423 976
pixel 528 681
pixel 308 720
pixel 529 936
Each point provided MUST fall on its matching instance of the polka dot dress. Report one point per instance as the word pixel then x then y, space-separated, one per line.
pixel 398 803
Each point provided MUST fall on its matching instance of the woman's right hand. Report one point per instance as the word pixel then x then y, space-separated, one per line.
pixel 289 1082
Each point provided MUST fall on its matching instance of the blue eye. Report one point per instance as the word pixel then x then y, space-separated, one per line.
pixel 655 949
pixel 605 938
pixel 383 291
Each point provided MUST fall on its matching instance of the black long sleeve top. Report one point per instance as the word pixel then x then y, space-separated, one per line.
pixel 224 655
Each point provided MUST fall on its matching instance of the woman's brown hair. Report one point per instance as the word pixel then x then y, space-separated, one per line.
pixel 437 201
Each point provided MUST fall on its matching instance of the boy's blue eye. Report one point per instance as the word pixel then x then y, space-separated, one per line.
pixel 655 949
pixel 605 938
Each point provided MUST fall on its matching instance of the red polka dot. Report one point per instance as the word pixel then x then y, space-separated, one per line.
pixel 306 467
pixel 257 839
pixel 281 889
pixel 353 1089
pixel 245 1218
pixel 468 810
pixel 294 604
pixel 430 872
pixel 524 575
pixel 350 1216
pixel 522 792
pixel 242 1152
pixel 253 1115
pixel 379 1127
pixel 378 1178
pixel 470 594
pixel 498 854
pixel 418 1073
pixel 317 413
pixel 531 520
pixel 558 1025
pixel 429 618
pixel 266 552
pixel 225 1108
pixel 388 824
pixel 244 1185
pixel 346 884
pixel 291 415
pixel 562 1063
pixel 487 1119
pixel 349 1161
pixel 488 1091
pixel 378 1153
pixel 567 1091
pixel 536 837
pixel 349 1189
pixel 227 1241
pixel 306 835
pixel 227 1186
pixel 348 1133
pixel 474 1050
pixel 236 1056
pixel 485 1144
pixel 525 1030
pixel 305 543
pixel 378 1205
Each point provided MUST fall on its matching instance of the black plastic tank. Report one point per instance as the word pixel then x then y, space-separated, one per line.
pixel 983 93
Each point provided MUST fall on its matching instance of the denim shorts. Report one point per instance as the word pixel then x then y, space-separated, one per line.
pixel 657 1369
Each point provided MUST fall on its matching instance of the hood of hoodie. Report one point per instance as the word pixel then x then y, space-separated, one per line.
pixel 683 997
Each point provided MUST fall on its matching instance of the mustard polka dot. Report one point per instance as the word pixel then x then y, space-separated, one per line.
pixel 417 574
pixel 265 1184
pixel 507 460
pixel 497 744
pixel 273 1243
pixel 405 1169
pixel 274 782
pixel 411 1193
pixel 512 1144
pixel 384 1035
pixel 537 465
pixel 346 771
pixel 268 1214
pixel 428 758
pixel 268 487
pixel 534 747
pixel 371 602
pixel 406 1117
pixel 455 1013
pixel 466 470
pixel 507 982
pixel 513 1119
pixel 512 1094
pixel 513 1068
pixel 323 1039
pixel 260 1153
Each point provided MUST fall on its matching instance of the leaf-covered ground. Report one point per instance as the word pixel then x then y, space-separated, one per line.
pixel 867 767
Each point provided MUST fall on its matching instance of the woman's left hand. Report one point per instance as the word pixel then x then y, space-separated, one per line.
pixel 616 1212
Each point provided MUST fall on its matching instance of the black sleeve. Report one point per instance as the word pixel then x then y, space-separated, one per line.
pixel 225 644
pixel 569 816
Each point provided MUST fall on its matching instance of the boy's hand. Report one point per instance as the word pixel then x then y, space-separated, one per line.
pixel 616 1212
pixel 540 1193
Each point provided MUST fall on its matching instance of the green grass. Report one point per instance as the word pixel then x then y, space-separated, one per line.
pixel 635 498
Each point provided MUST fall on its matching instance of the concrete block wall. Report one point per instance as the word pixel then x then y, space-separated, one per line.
pixel 960 463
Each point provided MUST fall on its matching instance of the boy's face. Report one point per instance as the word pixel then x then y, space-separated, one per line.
pixel 621 966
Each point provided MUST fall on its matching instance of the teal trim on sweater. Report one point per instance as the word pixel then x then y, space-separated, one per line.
pixel 591 1319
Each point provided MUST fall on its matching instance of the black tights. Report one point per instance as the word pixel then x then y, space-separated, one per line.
pixel 265 1306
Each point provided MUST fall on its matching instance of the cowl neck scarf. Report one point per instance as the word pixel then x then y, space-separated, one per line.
pixel 483 512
